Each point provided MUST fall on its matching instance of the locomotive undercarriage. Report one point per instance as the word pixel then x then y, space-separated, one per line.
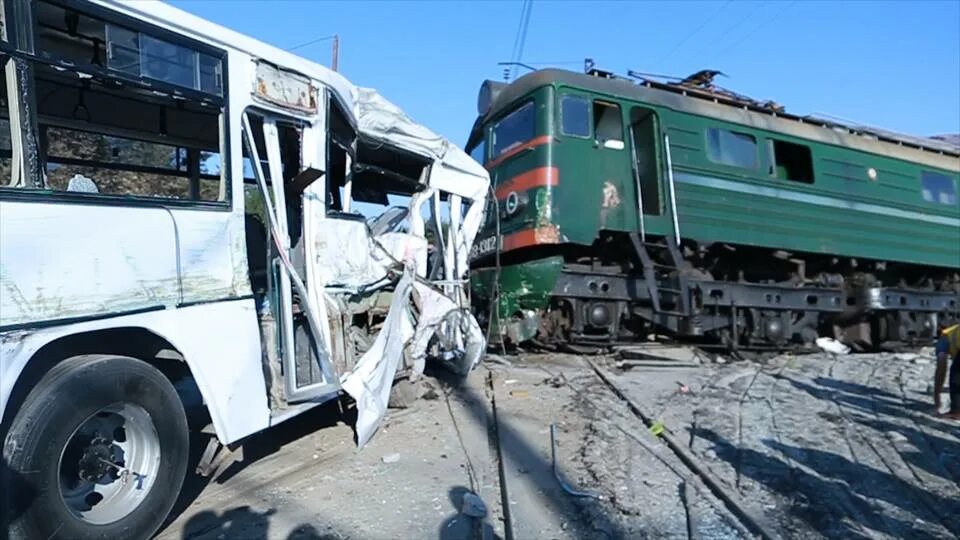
pixel 736 297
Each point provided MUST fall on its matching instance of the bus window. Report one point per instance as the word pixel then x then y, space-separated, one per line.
pixel 80 39
pixel 6 140
pixel 98 127
pixel 515 129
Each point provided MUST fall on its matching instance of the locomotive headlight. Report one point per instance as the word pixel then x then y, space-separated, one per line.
pixel 512 204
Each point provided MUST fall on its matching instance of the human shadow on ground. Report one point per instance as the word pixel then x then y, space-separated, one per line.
pixel 593 521
pixel 937 440
pixel 244 523
pixel 870 400
pixel 837 500
pixel 462 527
pixel 257 447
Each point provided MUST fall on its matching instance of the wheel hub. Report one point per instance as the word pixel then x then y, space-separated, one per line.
pixel 97 461
pixel 110 464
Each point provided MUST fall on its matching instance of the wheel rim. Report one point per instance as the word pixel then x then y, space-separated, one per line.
pixel 109 464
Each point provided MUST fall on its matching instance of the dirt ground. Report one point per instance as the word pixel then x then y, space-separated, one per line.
pixel 812 446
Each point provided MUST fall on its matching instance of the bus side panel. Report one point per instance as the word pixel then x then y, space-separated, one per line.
pixel 220 342
pixel 213 258
pixel 64 261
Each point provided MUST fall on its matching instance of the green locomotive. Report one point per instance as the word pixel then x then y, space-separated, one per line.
pixel 629 208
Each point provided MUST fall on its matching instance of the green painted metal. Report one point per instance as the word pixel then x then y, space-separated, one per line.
pixel 843 212
pixel 865 201
pixel 523 287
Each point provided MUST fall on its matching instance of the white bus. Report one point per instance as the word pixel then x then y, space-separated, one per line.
pixel 180 239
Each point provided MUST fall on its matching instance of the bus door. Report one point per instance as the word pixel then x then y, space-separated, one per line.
pixel 650 191
pixel 300 341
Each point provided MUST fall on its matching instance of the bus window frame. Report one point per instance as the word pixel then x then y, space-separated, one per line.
pixel 26 52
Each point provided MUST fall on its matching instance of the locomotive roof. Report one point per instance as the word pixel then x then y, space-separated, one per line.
pixel 927 151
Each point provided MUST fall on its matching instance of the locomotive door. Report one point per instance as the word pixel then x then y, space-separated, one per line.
pixel 644 132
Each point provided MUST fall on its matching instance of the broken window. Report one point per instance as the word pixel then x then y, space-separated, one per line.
pixel 123 141
pixel 575 116
pixel 608 125
pixel 515 129
pixel 97 134
pixel 341 142
pixel 938 188
pixel 732 148
pixel 792 161
pixel 68 35
pixel 6 140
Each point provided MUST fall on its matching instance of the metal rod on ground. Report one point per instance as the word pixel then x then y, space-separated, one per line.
pixel 712 483
pixel 556 471
pixel 501 470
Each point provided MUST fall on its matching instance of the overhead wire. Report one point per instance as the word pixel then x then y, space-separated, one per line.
pixel 689 36
pixel 712 45
pixel 753 31
pixel 311 42
pixel 520 39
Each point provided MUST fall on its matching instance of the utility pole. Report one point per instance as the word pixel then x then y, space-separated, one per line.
pixel 336 52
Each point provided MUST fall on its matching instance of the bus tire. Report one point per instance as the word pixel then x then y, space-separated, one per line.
pixel 83 447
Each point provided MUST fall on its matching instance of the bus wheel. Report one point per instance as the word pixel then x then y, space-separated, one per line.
pixel 99 448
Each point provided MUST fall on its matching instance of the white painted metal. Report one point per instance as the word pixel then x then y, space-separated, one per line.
pixel 181 274
pixel 673 193
pixel 636 180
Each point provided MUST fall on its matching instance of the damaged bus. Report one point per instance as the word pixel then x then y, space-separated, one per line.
pixel 183 249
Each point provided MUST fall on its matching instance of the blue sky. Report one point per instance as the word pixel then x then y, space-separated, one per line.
pixel 894 65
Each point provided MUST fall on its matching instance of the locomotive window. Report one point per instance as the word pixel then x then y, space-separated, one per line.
pixel 479 152
pixel 938 188
pixel 791 162
pixel 731 148
pixel 517 128
pixel 575 116
pixel 608 124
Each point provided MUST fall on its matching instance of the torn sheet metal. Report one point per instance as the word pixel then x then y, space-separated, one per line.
pixel 458 335
pixel 453 170
pixel 370 382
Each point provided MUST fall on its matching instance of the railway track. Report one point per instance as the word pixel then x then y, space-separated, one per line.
pixel 745 517
pixel 685 466
pixel 863 481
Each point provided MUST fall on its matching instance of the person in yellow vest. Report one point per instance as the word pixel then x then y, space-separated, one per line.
pixel 948 351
